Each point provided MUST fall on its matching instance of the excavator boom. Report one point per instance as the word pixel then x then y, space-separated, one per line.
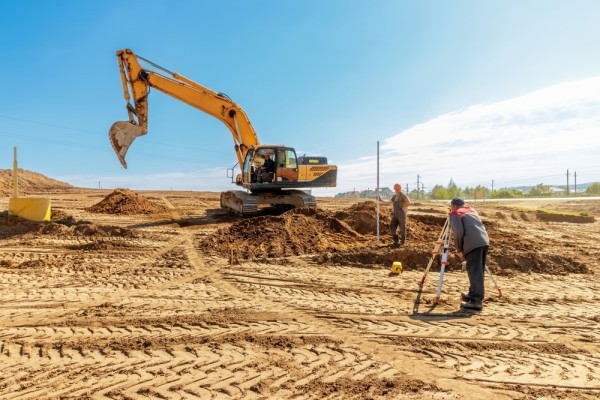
pixel 137 82
pixel 277 185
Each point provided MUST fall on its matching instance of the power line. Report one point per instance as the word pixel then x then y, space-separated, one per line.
pixel 95 147
pixel 105 135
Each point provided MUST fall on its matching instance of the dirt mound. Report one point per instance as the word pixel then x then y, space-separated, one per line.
pixel 347 237
pixel 411 258
pixel 362 217
pixel 61 225
pixel 335 236
pixel 29 183
pixel 558 217
pixel 296 232
pixel 506 261
pixel 126 202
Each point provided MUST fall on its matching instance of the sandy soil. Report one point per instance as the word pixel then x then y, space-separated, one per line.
pixel 109 301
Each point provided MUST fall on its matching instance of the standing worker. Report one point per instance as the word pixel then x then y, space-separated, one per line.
pixel 472 242
pixel 400 202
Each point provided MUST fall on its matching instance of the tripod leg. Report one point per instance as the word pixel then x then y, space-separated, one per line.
pixel 427 269
pixel 439 288
pixel 442 269
pixel 436 249
pixel 493 280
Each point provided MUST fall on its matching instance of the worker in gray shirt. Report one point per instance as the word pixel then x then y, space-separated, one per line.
pixel 472 242
pixel 400 203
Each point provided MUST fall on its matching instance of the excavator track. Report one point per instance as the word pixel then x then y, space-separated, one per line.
pixel 239 202
pixel 246 204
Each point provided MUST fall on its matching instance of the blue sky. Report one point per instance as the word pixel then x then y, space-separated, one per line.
pixel 438 83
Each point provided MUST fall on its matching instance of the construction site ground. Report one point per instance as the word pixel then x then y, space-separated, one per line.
pixel 162 295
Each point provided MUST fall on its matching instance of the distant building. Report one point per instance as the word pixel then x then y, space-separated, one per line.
pixel 386 193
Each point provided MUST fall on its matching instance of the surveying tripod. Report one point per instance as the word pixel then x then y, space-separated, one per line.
pixel 442 244
pixel 441 247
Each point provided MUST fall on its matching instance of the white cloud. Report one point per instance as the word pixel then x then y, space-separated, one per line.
pixel 530 139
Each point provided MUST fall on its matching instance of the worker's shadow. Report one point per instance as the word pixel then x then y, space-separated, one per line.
pixel 430 312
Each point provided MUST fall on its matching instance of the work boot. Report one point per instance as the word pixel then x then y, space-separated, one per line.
pixel 395 245
pixel 472 305
pixel 464 297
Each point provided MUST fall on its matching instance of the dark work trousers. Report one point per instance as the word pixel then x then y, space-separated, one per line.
pixel 476 270
pixel 398 220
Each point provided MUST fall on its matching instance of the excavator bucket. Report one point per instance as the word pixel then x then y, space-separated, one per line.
pixel 122 134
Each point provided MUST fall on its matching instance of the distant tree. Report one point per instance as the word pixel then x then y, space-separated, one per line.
pixel 593 189
pixel 481 192
pixel 439 193
pixel 468 192
pixel 453 190
pixel 540 190
pixel 506 194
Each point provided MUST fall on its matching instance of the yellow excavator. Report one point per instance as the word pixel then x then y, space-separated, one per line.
pixel 271 174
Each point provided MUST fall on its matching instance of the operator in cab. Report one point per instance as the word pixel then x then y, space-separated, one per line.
pixel 265 173
pixel 268 165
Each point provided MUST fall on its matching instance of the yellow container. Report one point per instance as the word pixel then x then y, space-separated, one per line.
pixel 396 267
pixel 31 208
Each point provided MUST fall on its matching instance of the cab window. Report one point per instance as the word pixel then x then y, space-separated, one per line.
pixel 286 159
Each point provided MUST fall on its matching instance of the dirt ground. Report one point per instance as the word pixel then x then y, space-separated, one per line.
pixel 161 295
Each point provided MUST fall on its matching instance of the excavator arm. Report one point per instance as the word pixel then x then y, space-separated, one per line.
pixel 137 82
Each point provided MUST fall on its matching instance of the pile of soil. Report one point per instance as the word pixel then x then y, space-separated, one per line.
pixel 296 232
pixel 347 237
pixel 60 225
pixel 126 202
pixel 559 217
pixel 304 231
pixel 29 183
pixel 362 217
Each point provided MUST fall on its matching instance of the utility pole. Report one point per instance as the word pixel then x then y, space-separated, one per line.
pixel 492 186
pixel 567 182
pixel 575 176
pixel 377 194
pixel 418 186
pixel 407 188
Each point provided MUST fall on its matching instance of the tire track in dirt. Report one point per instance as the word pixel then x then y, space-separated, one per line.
pixel 537 305
pixel 225 378
pixel 189 325
pixel 233 370
pixel 231 281
pixel 45 291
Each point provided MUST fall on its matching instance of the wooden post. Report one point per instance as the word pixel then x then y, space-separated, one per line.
pixel 15 175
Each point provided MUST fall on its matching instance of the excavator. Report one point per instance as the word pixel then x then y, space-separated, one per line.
pixel 271 174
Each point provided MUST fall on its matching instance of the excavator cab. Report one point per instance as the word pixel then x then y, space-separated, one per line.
pixel 270 167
